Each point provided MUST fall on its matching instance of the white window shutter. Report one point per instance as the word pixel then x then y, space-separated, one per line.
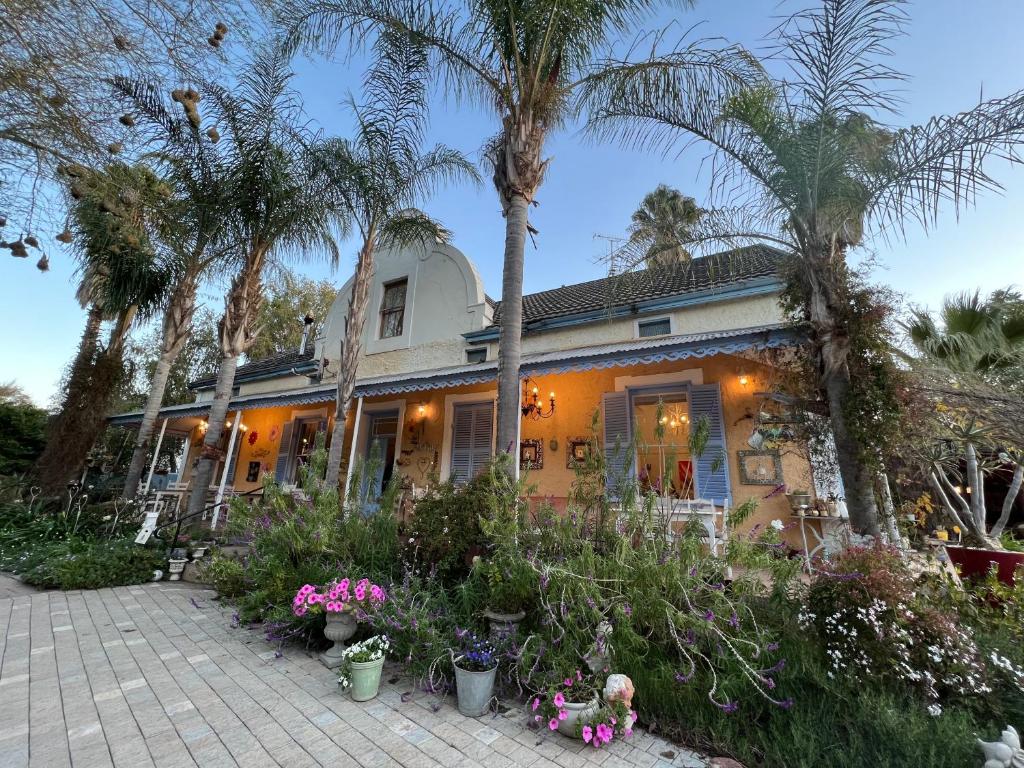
pixel 233 462
pixel 472 437
pixel 712 467
pixel 618 447
pixel 284 453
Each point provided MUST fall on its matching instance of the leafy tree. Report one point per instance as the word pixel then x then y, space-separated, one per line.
pixel 191 233
pixel 536 65
pixel 290 297
pixel 22 436
pixel 57 59
pixel 816 172
pixel 663 225
pixel 380 174
pixel 281 204
pixel 122 280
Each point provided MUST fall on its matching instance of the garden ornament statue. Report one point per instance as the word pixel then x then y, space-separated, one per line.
pixel 598 657
pixel 620 688
pixel 1005 753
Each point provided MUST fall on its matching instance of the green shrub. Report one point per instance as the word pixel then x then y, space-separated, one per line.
pixel 86 564
pixel 445 529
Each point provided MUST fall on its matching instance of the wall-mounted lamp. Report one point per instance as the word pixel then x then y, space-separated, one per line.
pixel 744 379
pixel 531 407
pixel 421 411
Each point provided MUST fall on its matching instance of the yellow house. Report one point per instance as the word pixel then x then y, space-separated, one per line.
pixel 677 344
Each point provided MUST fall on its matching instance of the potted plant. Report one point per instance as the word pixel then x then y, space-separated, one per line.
pixel 175 567
pixel 799 500
pixel 475 667
pixel 361 665
pixel 343 605
pixel 565 702
pixel 511 583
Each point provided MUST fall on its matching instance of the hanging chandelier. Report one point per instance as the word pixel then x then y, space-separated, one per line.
pixel 532 409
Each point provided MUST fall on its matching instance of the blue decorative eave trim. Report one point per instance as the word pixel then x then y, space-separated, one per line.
pixel 617 355
pixel 753 287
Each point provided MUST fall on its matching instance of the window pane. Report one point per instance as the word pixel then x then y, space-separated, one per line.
pixel 659 327
pixel 476 355
pixel 392 311
pixel 662 427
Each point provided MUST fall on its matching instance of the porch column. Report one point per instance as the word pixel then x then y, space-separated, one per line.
pixel 519 439
pixel 227 465
pixel 352 449
pixel 183 459
pixel 156 455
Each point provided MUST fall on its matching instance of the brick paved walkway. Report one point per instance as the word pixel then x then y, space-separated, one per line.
pixel 154 676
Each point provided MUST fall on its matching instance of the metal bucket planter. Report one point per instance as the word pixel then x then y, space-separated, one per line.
pixel 577 710
pixel 503 626
pixel 175 567
pixel 339 628
pixel 474 690
pixel 365 676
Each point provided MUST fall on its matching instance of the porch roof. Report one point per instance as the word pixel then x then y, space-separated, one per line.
pixel 635 352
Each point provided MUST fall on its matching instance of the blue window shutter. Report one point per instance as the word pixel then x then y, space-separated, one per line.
pixel 618 446
pixel 284 453
pixel 712 467
pixel 233 463
pixel 472 438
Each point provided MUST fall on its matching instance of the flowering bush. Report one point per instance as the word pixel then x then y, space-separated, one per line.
pixel 336 598
pixel 473 653
pixel 610 721
pixel 874 624
pixel 371 649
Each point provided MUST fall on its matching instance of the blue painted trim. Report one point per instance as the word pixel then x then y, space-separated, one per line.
pixel 755 287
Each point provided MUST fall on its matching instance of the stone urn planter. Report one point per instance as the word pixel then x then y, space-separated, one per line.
pixel 339 628
pixel 199 552
pixel 975 562
pixel 175 567
pixel 577 710
pixel 474 690
pixel 365 677
pixel 503 626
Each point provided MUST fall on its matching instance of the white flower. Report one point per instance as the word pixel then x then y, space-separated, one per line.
pixel 934 710
pixel 777 524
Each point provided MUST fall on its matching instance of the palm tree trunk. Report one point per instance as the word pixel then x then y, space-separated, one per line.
pixel 237 334
pixel 834 381
pixel 211 452
pixel 510 339
pixel 176 327
pixel 355 321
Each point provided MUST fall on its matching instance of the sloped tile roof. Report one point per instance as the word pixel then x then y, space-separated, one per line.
pixel 282 361
pixel 702 274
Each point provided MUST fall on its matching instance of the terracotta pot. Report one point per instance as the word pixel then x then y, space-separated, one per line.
pixel 975 563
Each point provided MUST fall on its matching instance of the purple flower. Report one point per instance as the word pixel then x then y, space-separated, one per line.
pixel 772 647
pixel 786 703
pixel 734 621
pixel 709 616
pixel 729 707
pixel 627 609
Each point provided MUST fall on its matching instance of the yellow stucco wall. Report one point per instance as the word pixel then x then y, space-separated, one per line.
pixel 578 395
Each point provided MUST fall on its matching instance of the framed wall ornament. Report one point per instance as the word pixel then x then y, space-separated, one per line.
pixel 531 454
pixel 577 451
pixel 760 467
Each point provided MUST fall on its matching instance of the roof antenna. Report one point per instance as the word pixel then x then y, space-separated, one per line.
pixel 613 242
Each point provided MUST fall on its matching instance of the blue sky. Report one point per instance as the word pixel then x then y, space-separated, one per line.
pixel 954 50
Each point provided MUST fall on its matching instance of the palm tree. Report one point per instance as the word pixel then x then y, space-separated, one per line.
pixel 281 204
pixel 379 176
pixel 191 232
pixel 536 65
pixel 122 280
pixel 663 224
pixel 816 171
pixel 976 336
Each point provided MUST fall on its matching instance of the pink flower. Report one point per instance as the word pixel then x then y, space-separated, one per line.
pixel 311 598
pixel 376 594
pixel 343 585
pixel 588 733
pixel 604 733
pixel 535 704
pixel 559 700
pixel 579 676
pixel 553 724
pixel 562 714
pixel 568 682
pixel 360 592
pixel 536 718
pixel 300 611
